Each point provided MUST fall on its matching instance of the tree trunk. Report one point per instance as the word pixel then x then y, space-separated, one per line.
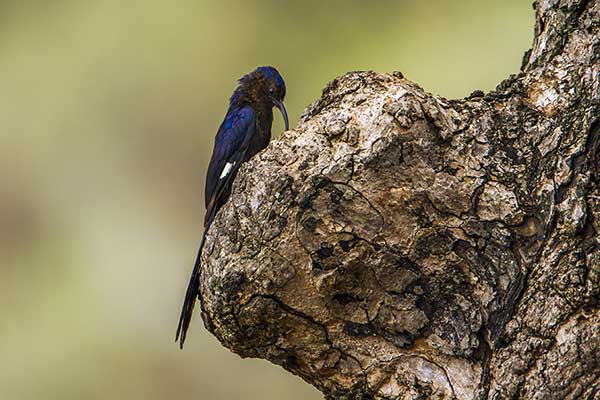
pixel 398 245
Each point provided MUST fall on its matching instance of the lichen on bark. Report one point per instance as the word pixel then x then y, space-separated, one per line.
pixel 399 245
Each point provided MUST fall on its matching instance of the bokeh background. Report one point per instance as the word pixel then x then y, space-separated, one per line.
pixel 107 114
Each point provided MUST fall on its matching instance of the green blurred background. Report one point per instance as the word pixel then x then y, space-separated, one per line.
pixel 107 113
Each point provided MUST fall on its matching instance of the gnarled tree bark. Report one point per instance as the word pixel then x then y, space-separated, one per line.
pixel 398 245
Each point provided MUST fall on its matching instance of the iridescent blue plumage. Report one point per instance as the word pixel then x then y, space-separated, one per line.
pixel 236 130
pixel 245 130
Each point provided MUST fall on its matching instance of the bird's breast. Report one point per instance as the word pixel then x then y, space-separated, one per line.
pixel 262 135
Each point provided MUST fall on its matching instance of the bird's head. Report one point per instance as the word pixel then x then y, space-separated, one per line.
pixel 266 86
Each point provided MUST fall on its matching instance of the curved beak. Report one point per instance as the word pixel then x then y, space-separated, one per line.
pixel 281 108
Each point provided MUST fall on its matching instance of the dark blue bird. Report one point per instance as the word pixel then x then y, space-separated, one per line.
pixel 245 131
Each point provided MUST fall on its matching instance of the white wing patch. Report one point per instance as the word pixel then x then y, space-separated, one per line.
pixel 227 169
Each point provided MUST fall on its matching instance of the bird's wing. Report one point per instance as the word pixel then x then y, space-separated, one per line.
pixel 231 144
pixel 230 149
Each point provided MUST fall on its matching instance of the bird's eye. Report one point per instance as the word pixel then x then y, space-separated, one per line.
pixel 271 90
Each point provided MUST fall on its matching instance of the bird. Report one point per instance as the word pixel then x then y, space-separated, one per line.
pixel 244 132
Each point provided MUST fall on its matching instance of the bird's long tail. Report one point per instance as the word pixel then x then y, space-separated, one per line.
pixel 193 288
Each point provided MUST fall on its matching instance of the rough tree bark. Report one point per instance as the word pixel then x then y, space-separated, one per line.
pixel 398 245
